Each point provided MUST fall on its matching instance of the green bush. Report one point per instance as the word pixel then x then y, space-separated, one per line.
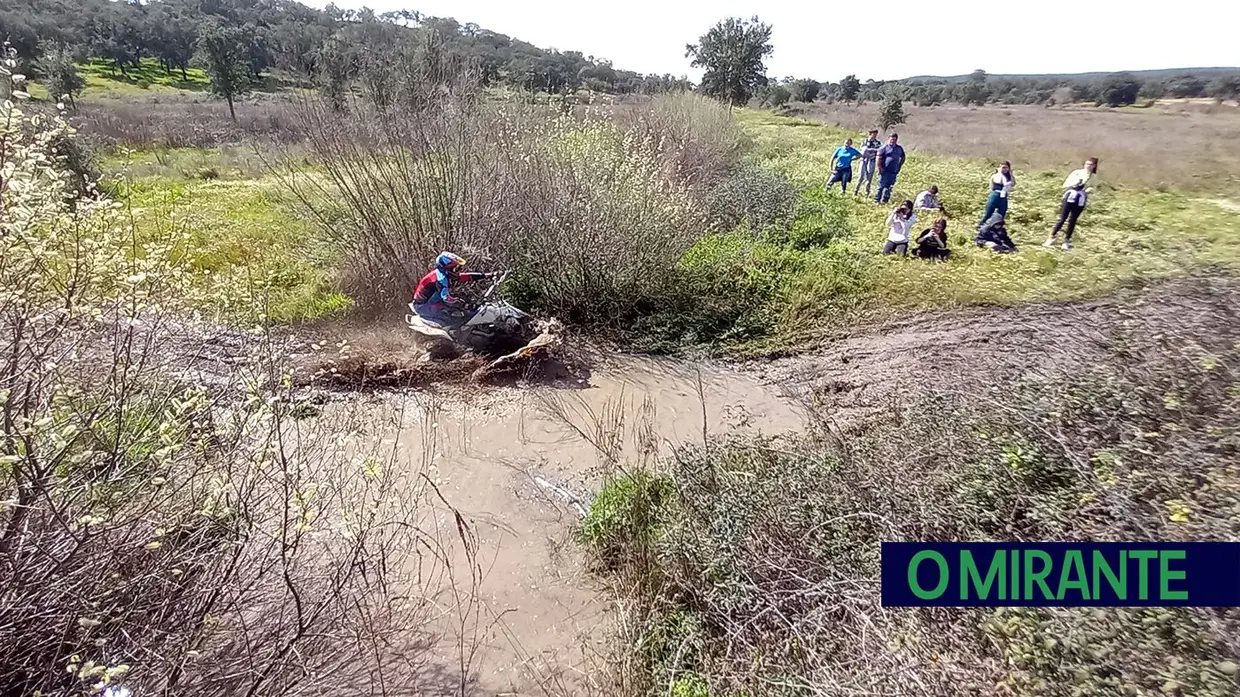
pixel 625 515
pixel 819 220
pixel 762 201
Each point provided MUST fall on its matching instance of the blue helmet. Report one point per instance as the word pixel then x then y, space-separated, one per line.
pixel 448 262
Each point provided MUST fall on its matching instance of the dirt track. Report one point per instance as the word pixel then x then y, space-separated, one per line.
pixel 858 376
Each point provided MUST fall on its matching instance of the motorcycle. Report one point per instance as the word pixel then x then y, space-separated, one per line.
pixel 492 327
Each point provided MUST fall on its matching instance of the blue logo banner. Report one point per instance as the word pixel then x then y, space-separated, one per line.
pixel 1061 574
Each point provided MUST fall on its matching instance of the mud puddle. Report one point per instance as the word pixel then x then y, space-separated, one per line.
pixel 521 465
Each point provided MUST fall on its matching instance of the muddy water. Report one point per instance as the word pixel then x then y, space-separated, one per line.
pixel 521 467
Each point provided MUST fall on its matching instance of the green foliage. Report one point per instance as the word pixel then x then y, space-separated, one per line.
pixel 975 90
pixel 891 113
pixel 1120 89
pixel 60 75
pixel 291 38
pixel 820 220
pixel 1225 87
pixel 224 53
pixel 850 88
pixel 690 685
pixel 624 514
pixel 733 57
pixel 804 90
pixel 761 200
pixel 102 78
pixel 776 96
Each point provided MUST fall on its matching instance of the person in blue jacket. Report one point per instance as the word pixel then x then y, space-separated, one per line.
pixel 841 164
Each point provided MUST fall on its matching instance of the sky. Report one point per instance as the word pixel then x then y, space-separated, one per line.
pixel 932 37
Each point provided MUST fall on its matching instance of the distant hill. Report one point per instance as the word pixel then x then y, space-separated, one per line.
pixel 1074 77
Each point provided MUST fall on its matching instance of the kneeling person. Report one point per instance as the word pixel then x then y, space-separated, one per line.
pixel 932 243
pixel 993 235
pixel 899 225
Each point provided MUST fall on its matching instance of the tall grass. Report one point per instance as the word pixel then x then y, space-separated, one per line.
pixel 181 120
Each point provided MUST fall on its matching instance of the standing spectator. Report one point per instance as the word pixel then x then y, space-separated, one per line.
pixel 932 242
pixel 869 154
pixel 928 200
pixel 1001 183
pixel 1074 200
pixel 899 226
pixel 890 159
pixel 1070 209
pixel 841 163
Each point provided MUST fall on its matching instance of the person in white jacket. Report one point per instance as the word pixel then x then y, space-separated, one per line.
pixel 899 229
pixel 1076 195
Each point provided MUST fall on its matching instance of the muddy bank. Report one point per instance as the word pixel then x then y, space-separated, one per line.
pixel 520 466
pixel 854 378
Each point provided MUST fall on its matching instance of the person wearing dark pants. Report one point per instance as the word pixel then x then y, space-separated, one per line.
pixel 1001 184
pixel 993 235
pixel 932 242
pixel 890 159
pixel 1073 204
pixel 1074 200
pixel 841 164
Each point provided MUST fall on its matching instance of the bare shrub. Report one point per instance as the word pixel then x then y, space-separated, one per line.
pixel 579 210
pixel 697 136
pixel 166 525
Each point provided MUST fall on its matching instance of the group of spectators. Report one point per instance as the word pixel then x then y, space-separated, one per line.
pixel 886 160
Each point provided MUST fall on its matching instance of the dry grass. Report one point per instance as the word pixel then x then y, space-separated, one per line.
pixel 182 120
pixel 1190 146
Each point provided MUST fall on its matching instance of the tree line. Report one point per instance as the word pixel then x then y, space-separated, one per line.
pixel 1117 89
pixel 733 53
pixel 322 45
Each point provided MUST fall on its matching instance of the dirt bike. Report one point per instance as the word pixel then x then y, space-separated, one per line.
pixel 492 327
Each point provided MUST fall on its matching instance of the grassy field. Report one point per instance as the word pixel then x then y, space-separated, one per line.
pixel 1129 233
pixel 827 274
pixel 104 81
pixel 242 225
pixel 1175 145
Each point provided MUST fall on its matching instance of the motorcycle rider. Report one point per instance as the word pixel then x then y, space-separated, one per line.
pixel 433 299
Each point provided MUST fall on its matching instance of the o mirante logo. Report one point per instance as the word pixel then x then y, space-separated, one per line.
pixel 991 574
